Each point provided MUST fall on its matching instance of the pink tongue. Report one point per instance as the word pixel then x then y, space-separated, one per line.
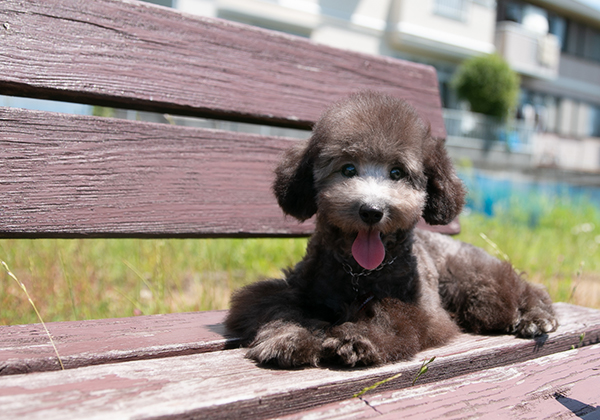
pixel 368 250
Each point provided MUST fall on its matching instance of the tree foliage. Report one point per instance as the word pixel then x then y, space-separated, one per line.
pixel 488 84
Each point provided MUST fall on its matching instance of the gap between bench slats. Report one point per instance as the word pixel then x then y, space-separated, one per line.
pixel 140 56
pixel 75 176
pixel 26 348
pixel 219 384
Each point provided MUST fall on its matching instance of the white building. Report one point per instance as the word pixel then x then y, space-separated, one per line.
pixel 560 90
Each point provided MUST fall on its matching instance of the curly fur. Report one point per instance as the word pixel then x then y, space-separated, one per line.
pixel 427 288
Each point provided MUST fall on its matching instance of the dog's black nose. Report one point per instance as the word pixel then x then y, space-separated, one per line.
pixel 370 214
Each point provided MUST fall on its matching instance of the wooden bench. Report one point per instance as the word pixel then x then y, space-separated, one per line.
pixel 74 176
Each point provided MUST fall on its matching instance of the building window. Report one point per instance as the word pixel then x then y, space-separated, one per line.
pixel 448 95
pixel 577 119
pixel 167 3
pixel 510 10
pixel 575 38
pixel 560 115
pixel 592 46
pixel 549 112
pixel 595 121
pixel 582 41
pixel 453 9
pixel 557 25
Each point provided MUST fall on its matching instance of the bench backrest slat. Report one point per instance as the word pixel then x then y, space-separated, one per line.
pixel 74 176
pixel 92 177
pixel 142 56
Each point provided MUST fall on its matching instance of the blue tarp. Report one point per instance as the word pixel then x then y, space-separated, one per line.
pixel 489 194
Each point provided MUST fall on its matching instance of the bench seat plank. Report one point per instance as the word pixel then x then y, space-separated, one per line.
pixel 77 176
pixel 220 383
pixel 562 385
pixel 26 348
pixel 140 56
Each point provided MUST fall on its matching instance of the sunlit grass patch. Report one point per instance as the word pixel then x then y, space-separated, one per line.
pixel 560 250
pixel 104 278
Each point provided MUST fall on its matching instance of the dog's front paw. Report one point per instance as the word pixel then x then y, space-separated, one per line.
pixel 286 345
pixel 351 348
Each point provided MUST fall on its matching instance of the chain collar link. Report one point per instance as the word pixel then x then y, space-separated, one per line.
pixel 364 272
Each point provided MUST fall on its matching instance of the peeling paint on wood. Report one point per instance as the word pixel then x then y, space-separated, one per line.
pixel 220 384
pixel 559 386
pixel 26 348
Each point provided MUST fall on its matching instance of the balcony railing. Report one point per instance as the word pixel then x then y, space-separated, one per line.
pixel 514 135
pixel 527 52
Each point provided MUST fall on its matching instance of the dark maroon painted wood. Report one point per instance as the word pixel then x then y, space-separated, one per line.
pixel 137 55
pixel 27 348
pixel 68 176
pixel 223 384
pixel 559 386
pixel 452 228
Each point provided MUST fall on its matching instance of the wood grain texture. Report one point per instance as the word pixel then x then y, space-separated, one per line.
pixel 26 348
pixel 223 384
pixel 136 55
pixel 74 176
pixel 559 386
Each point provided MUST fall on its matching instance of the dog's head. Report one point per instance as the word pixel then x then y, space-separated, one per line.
pixel 371 167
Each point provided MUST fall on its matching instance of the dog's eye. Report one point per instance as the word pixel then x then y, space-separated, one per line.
pixel 397 173
pixel 349 170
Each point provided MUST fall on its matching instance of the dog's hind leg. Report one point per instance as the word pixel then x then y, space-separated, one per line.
pixel 486 295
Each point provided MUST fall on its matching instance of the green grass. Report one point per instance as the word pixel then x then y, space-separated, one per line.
pixel 104 278
pixel 100 278
pixel 561 249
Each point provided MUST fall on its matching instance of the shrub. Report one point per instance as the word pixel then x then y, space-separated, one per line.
pixel 488 84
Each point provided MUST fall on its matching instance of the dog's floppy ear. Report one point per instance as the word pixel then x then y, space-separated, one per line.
pixel 445 191
pixel 294 184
